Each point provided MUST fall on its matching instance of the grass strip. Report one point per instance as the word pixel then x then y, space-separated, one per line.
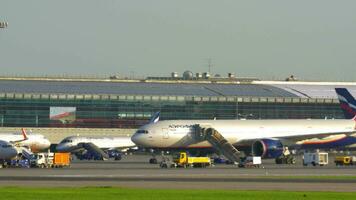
pixel 108 193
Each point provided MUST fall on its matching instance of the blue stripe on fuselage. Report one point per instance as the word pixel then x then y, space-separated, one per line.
pixel 348 140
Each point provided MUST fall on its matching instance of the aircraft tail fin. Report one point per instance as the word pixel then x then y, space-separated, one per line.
pixel 155 118
pixel 24 134
pixel 347 102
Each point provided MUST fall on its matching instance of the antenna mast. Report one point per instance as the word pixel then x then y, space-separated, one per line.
pixel 210 65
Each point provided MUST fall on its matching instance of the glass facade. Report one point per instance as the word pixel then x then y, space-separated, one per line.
pixel 115 111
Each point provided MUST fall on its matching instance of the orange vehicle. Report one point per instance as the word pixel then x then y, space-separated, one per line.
pixel 61 160
pixel 50 160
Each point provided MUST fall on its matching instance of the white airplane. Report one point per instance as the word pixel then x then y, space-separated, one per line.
pixel 264 138
pixel 74 143
pixel 35 142
pixel 7 151
pixel 13 144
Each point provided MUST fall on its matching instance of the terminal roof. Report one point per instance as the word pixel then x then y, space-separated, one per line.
pixel 256 89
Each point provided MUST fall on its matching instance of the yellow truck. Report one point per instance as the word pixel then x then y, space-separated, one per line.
pixel 183 160
pixel 345 160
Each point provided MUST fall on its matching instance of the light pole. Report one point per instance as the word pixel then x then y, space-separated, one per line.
pixel 2 25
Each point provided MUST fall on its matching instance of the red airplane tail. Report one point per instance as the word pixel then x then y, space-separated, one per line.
pixel 24 134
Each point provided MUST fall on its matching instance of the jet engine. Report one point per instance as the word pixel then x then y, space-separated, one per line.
pixel 267 148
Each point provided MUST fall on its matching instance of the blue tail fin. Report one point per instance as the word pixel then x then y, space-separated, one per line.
pixel 347 102
pixel 154 118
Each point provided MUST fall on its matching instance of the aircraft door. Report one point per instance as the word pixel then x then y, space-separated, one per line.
pixel 165 133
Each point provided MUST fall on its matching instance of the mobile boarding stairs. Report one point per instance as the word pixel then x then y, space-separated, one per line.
pixel 224 147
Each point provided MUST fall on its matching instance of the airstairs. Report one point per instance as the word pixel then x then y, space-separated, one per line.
pixel 218 141
pixel 26 153
pixel 95 150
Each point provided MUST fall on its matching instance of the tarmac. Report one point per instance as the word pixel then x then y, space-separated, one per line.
pixel 134 171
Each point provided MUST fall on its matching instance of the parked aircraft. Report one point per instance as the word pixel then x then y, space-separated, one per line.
pixel 14 144
pixel 348 106
pixel 70 144
pixel 100 147
pixel 35 142
pixel 264 138
pixel 347 102
pixel 7 151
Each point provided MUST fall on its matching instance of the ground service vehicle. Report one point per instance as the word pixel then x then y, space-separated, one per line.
pixel 61 160
pixel 184 160
pixel 21 163
pixel 345 160
pixel 251 162
pixel 50 160
pixel 285 159
pixel 316 158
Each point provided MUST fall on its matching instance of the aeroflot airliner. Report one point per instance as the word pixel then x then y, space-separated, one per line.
pixel 71 144
pixel 347 102
pixel 265 137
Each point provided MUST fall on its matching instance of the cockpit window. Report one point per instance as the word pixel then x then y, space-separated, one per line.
pixel 6 146
pixel 67 141
pixel 142 131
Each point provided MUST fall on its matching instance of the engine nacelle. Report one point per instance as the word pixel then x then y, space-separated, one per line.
pixel 267 148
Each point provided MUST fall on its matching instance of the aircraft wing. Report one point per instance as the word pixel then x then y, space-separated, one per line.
pixel 124 148
pixel 316 135
pixel 304 139
pixel 24 134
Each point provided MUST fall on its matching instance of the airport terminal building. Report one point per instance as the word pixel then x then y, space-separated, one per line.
pixel 131 103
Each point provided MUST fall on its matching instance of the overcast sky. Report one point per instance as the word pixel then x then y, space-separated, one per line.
pixel 312 39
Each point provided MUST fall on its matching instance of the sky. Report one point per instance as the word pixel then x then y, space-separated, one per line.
pixel 311 39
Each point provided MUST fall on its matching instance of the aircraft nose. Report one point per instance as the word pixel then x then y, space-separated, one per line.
pixel 13 152
pixel 60 147
pixel 137 139
pixel 47 144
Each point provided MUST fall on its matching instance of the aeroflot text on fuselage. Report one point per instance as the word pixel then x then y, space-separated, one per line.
pixel 180 126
